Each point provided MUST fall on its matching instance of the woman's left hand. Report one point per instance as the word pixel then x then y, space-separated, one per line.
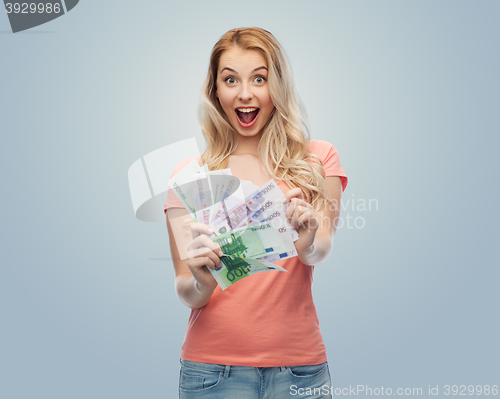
pixel 303 218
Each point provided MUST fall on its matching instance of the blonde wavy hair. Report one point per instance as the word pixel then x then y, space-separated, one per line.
pixel 283 145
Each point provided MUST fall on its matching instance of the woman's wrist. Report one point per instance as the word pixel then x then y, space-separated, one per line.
pixel 191 293
pixel 203 288
pixel 307 254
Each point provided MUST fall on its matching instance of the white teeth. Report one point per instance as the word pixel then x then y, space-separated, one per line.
pixel 246 109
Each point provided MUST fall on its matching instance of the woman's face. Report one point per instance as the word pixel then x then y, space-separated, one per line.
pixel 243 91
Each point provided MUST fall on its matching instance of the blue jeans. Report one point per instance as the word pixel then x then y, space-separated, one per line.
pixel 216 381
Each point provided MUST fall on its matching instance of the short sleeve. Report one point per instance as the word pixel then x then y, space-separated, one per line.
pixel 330 158
pixel 172 200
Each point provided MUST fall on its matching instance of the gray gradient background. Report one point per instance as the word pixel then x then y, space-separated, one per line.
pixel 406 91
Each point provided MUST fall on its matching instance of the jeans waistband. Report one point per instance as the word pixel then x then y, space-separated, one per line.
pixel 219 367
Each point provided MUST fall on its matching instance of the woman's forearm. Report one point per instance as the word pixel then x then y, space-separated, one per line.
pixel 320 250
pixel 190 293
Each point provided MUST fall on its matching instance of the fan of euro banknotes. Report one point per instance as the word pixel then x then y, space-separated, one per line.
pixel 248 221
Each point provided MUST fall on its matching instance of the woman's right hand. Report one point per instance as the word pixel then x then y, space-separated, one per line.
pixel 201 252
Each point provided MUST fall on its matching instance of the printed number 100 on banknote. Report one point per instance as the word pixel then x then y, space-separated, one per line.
pixel 234 269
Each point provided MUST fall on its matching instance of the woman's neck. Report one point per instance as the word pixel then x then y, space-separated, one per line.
pixel 248 145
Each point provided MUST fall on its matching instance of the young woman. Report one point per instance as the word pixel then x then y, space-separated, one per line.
pixel 261 337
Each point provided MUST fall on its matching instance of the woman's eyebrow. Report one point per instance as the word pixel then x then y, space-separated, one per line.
pixel 233 71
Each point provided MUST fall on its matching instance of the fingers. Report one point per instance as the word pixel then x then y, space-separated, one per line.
pixel 202 250
pixel 294 193
pixel 199 228
pixel 296 210
pixel 307 217
pixel 291 209
pixel 295 217
pixel 204 241
pixel 205 252
pixel 202 261
pixel 294 207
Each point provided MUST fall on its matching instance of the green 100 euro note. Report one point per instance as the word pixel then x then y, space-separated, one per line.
pixel 241 247
pixel 253 241
pixel 234 269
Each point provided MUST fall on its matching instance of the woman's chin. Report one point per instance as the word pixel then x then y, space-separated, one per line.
pixel 249 132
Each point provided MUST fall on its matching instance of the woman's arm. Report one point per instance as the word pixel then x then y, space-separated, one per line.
pixel 194 293
pixel 312 247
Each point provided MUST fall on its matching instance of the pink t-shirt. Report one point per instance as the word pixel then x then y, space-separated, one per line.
pixel 267 319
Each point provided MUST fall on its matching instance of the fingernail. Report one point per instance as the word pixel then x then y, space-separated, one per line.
pixel 210 231
pixel 220 253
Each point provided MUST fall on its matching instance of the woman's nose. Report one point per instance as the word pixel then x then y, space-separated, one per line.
pixel 245 93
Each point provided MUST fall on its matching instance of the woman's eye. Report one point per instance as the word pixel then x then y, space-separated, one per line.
pixel 231 80
pixel 260 79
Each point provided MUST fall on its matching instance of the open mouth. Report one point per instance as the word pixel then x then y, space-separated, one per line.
pixel 247 116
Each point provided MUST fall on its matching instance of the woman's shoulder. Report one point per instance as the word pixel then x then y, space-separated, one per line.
pixel 330 159
pixel 322 148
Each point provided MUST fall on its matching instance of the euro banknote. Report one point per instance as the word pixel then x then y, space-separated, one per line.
pixel 251 241
pixel 232 198
pixel 234 269
pixel 199 189
pixel 249 224
pixel 273 209
pixel 277 217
